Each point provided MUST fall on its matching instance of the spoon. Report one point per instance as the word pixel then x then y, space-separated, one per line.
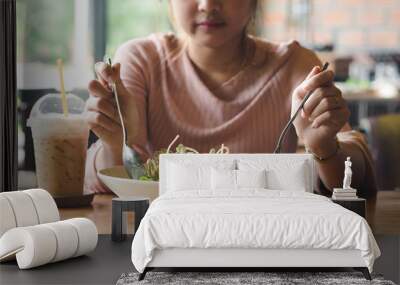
pixel 284 132
pixel 130 158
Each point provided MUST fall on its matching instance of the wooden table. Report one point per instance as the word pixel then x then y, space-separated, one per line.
pixel 383 214
pixel 368 103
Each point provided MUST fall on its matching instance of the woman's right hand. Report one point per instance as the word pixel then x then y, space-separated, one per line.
pixel 101 109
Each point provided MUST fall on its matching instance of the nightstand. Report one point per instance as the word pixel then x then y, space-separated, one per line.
pixel 138 205
pixel 357 205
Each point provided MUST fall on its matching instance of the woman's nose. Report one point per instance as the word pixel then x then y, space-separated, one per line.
pixel 208 6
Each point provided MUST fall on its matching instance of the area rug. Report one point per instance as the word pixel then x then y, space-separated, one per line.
pixel 243 278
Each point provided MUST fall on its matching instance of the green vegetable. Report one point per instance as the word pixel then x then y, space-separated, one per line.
pixel 145 178
pixel 151 166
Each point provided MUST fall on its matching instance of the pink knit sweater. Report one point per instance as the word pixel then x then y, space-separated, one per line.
pixel 246 113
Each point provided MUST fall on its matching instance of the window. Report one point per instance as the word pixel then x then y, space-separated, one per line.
pixel 48 30
pixel 127 19
pixel 39 36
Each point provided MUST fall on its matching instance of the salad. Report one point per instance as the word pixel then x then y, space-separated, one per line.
pixel 151 166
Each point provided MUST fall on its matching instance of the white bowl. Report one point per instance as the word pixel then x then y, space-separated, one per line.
pixel 119 182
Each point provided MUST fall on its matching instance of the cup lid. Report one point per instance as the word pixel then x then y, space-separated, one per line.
pixel 50 106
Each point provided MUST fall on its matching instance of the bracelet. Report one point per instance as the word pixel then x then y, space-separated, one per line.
pixel 323 159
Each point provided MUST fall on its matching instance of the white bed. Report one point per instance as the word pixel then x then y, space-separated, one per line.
pixel 197 222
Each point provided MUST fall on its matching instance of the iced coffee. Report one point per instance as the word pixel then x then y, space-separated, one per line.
pixel 60 144
pixel 60 164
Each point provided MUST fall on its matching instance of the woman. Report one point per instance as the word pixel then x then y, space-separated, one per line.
pixel 216 84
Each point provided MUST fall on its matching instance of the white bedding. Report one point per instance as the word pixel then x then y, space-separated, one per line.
pixel 250 218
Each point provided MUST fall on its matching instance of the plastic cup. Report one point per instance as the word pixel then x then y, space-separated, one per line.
pixel 60 144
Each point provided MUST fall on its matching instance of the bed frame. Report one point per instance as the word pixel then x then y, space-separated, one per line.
pixel 245 258
pixel 242 259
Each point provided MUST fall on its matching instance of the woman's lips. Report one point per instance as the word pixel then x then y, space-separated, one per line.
pixel 210 25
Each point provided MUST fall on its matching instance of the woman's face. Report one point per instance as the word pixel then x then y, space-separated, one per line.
pixel 212 23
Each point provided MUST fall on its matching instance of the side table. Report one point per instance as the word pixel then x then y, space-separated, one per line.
pixel 357 205
pixel 138 205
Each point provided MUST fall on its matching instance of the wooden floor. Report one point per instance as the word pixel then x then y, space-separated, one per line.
pixel 111 259
pixel 383 214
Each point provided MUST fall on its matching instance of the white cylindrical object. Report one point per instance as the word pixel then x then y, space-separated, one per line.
pixel 67 240
pixel 36 244
pixel 7 217
pixel 23 207
pixel 45 205
pixel 40 244
pixel 87 234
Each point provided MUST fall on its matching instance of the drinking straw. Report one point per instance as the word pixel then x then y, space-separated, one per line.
pixel 64 103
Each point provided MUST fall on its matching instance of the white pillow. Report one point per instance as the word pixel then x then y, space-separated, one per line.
pixel 281 174
pixel 223 179
pixel 189 174
pixel 226 179
pixel 251 178
pixel 292 179
pixel 181 177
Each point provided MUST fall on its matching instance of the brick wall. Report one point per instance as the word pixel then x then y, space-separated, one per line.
pixel 351 25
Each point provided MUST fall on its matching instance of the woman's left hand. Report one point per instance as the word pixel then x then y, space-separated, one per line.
pixel 323 115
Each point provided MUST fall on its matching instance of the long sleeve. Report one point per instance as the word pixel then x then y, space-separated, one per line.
pixel 134 57
pixel 246 113
pixel 92 182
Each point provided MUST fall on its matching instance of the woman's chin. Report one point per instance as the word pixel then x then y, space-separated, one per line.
pixel 210 41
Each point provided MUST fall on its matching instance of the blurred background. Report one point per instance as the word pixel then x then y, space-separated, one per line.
pixel 360 38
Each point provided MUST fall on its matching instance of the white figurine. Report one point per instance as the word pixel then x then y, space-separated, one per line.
pixel 347 174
